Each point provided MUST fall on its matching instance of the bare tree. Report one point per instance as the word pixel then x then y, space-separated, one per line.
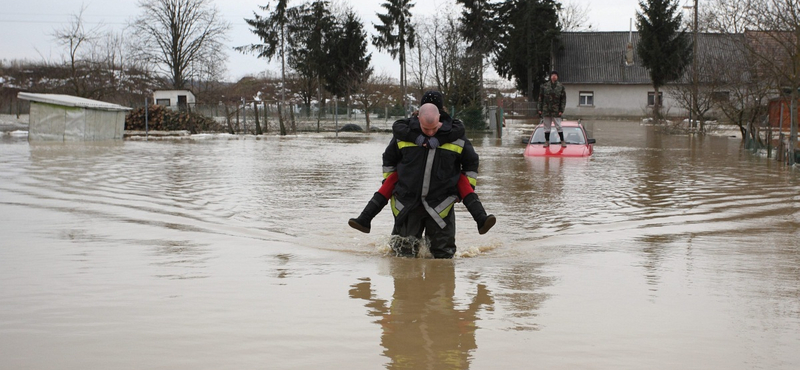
pixel 449 48
pixel 77 39
pixel 179 37
pixel 775 44
pixel 420 62
pixel 728 16
pixel 377 90
pixel 574 17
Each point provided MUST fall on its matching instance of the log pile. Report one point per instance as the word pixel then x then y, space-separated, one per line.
pixel 159 118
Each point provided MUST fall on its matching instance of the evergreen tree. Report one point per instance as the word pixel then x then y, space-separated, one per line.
pixel 348 60
pixel 309 40
pixel 527 33
pixel 664 46
pixel 479 27
pixel 272 32
pixel 395 34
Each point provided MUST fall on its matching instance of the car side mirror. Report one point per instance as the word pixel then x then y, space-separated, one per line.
pixel 592 141
pixel 525 140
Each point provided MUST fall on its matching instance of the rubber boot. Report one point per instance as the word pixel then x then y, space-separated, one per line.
pixel 546 139
pixel 475 208
pixel 561 135
pixel 374 206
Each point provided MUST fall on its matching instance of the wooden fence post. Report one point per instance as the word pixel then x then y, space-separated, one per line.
pixel 255 110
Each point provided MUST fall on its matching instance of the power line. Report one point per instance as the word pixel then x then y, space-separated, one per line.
pixel 55 22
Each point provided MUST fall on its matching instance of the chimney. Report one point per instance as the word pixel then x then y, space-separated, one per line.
pixel 629 47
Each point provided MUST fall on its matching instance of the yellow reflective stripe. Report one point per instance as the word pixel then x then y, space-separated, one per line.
pixel 387 174
pixel 444 213
pixel 404 144
pixel 395 211
pixel 473 181
pixel 452 147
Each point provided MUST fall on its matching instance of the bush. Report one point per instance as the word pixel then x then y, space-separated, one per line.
pixel 394 111
pixel 160 118
pixel 472 116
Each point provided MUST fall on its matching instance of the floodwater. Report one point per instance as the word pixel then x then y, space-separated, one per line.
pixel 658 252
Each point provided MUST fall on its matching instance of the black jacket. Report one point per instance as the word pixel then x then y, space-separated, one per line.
pixel 428 177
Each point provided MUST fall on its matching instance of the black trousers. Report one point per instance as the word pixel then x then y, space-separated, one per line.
pixel 443 241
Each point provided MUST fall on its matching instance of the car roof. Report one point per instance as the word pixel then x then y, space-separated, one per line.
pixel 566 124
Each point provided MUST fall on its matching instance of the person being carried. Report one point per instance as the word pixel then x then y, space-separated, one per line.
pixel 552 101
pixel 451 130
pixel 427 187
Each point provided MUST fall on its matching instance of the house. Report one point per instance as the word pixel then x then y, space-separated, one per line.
pixel 56 117
pixel 604 76
pixel 174 99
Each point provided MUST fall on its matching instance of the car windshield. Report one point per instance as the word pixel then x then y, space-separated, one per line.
pixel 572 135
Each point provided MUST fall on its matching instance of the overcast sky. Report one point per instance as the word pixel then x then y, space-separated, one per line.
pixel 26 26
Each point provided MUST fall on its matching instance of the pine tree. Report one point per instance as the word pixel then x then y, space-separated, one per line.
pixel 348 59
pixel 528 31
pixel 272 32
pixel 664 46
pixel 395 34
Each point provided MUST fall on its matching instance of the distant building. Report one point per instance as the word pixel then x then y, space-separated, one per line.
pixel 174 99
pixel 56 117
pixel 604 77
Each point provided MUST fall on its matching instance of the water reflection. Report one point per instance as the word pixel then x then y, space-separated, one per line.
pixel 422 326
pixel 523 294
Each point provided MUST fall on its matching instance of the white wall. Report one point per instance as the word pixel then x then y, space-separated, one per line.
pixel 616 101
pixel 172 95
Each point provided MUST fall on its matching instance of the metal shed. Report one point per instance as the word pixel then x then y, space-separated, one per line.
pixel 56 117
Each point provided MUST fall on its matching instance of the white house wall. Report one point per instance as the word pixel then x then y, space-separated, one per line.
pixel 616 101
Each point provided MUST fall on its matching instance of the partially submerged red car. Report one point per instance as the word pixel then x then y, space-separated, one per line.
pixel 578 143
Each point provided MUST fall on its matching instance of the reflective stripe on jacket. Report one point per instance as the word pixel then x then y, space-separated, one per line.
pixel 429 177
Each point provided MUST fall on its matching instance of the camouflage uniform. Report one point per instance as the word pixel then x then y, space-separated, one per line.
pixel 552 101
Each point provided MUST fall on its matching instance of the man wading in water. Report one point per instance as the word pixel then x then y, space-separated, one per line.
pixel 427 186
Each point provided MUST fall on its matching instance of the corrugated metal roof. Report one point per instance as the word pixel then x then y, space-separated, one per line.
pixel 599 57
pixel 70 101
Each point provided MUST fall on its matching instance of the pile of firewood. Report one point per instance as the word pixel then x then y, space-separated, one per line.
pixel 159 118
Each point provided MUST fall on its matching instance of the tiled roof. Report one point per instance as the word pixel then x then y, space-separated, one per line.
pixel 599 57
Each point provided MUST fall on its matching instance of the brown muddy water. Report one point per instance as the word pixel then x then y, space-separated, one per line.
pixel 658 252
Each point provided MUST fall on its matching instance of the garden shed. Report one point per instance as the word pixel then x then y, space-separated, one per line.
pixel 56 117
pixel 174 99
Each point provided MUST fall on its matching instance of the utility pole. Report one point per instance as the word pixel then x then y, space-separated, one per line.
pixel 694 68
pixel 693 104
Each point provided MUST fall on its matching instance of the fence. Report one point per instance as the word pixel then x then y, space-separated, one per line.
pixel 773 140
pixel 11 105
pixel 515 109
pixel 245 117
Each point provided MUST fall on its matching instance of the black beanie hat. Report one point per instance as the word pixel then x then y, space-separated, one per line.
pixel 434 97
pixel 554 72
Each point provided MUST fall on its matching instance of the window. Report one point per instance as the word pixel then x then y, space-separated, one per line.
pixel 586 99
pixel 721 96
pixel 572 135
pixel 651 98
pixel 164 102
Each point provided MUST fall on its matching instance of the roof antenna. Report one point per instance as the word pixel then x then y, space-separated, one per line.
pixel 629 47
